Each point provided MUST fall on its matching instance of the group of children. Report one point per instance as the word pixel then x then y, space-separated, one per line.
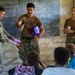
pixel 63 57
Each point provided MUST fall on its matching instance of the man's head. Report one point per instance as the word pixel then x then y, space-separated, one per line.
pixel 73 11
pixel 2 12
pixel 30 9
pixel 33 58
pixel 61 55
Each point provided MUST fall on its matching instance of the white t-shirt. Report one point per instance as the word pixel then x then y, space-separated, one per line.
pixel 58 71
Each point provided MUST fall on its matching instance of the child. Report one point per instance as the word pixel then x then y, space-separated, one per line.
pixel 71 61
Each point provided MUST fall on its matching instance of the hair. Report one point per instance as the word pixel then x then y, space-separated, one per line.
pixel 61 55
pixel 71 48
pixel 30 5
pixel 2 8
pixel 33 58
pixel 72 7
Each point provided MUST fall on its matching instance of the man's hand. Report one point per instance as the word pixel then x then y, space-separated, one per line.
pixel 36 38
pixel 19 25
pixel 20 47
pixel 15 41
pixel 70 31
pixel 66 30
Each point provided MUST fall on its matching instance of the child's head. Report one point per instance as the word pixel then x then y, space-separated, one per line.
pixel 32 58
pixel 71 48
pixel 61 55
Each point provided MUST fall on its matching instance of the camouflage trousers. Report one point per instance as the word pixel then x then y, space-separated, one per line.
pixel 29 45
pixel 1 55
pixel 70 40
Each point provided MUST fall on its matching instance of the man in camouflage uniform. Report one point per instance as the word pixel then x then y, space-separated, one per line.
pixel 4 35
pixel 26 23
pixel 69 28
pixel 2 12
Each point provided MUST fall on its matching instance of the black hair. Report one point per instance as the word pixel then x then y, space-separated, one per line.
pixel 72 7
pixel 61 55
pixel 33 58
pixel 30 5
pixel 2 8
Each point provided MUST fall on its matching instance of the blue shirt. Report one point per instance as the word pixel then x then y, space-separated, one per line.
pixel 58 71
pixel 72 63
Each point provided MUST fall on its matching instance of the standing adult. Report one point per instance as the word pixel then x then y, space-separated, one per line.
pixel 3 33
pixel 31 31
pixel 2 12
pixel 69 28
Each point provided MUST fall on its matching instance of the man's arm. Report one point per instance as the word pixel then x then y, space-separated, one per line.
pixel 8 35
pixel 43 66
pixel 19 24
pixel 11 38
pixel 41 31
pixel 66 30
